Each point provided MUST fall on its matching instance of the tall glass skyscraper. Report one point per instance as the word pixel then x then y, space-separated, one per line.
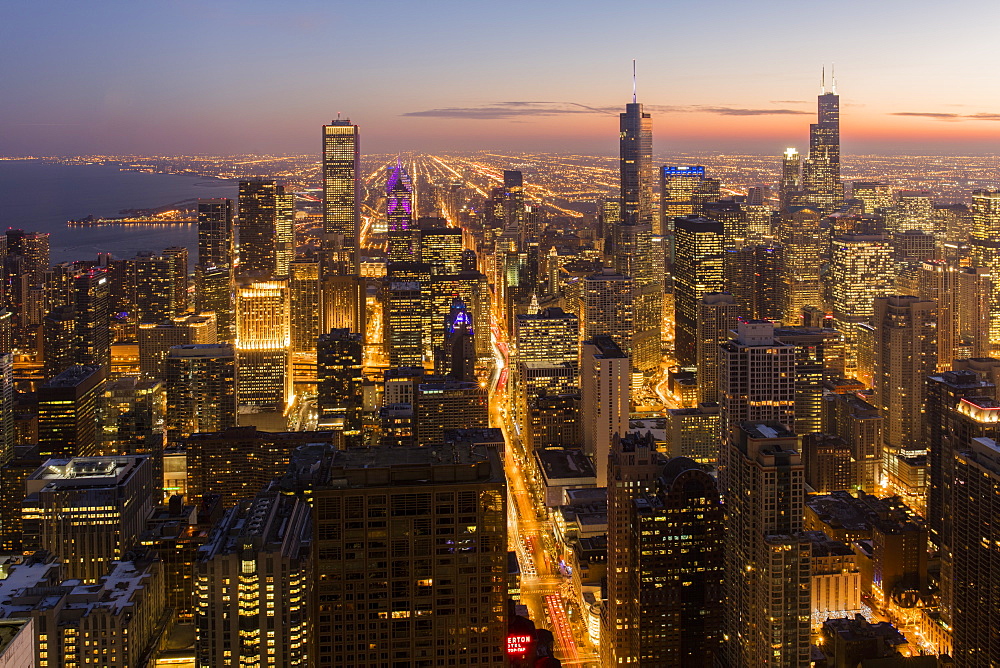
pixel 821 175
pixel 341 195
pixel 267 227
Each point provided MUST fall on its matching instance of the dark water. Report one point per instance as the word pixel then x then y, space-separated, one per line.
pixel 41 197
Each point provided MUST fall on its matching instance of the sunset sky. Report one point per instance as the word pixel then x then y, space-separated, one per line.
pixel 184 76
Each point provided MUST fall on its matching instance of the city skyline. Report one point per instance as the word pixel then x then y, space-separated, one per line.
pixel 551 89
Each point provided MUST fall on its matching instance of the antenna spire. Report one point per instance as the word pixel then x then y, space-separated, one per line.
pixel 833 77
pixel 633 81
pixel 822 85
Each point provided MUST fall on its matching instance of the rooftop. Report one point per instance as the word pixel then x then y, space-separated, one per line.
pixel 437 464
pixel 561 464
pixel 73 376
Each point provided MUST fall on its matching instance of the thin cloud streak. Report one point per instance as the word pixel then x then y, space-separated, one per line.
pixel 523 108
pixel 946 116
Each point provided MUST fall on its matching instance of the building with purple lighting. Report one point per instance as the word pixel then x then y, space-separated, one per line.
pixel 399 199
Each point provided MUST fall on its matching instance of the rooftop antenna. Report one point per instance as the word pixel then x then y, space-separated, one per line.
pixel 833 77
pixel 633 81
pixel 338 115
pixel 822 86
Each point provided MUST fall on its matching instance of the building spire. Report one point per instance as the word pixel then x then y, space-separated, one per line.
pixel 822 85
pixel 633 82
pixel 833 77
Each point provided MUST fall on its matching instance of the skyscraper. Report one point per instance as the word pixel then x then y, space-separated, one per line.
pixel 339 359
pixel 986 253
pixel 717 316
pixel 215 293
pixel 408 583
pixel 636 165
pixel 267 228
pixel 262 344
pixel 216 239
pixel 606 308
pixel 767 572
pixel 341 196
pixel 791 176
pixel 459 346
pixel 201 388
pixel 821 173
pixel 604 395
pixel 68 412
pixel 803 242
pixel 698 270
pixel 304 298
pixel 92 303
pixel 155 287
pixel 399 199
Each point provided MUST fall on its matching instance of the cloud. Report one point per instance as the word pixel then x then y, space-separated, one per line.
pixel 739 111
pixel 944 116
pixel 524 108
pixel 501 110
pixel 789 102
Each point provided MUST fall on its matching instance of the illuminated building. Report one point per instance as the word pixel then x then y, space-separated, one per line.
pixel 604 399
pixel 609 216
pixel 267 228
pixel 262 344
pixel 178 256
pixel 821 170
pixel 24 461
pixel 156 339
pixel 632 470
pixel 975 608
pixel 453 505
pixel 339 361
pixel 875 197
pixel 912 211
pixel 399 199
pixel 986 254
pixel 819 356
pixel 68 412
pixel 216 237
pixel 756 379
pixel 853 639
pixel 59 342
pixel 859 424
pixel 92 301
pixel 458 358
pixel 442 405
pixel 694 433
pixel 514 213
pixel 200 380
pixel 551 335
pixel 827 461
pixel 215 292
pixel 803 243
pixel 767 570
pixel 861 269
pixel 237 462
pixel 905 349
pixel 717 314
pixel 836 578
pixel 133 411
pixel 606 308
pixel 89 511
pixel 116 622
pixel 441 247
pixel 698 270
pixel 683 192
pixel 755 275
pixel 341 196
pixel 344 302
pixel 252 585
pixel 791 176
pixel 304 298
pixel 938 281
pixel 636 165
pixel 403 321
pixel 155 287
pixel 553 421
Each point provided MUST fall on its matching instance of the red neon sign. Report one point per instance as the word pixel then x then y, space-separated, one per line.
pixel 518 645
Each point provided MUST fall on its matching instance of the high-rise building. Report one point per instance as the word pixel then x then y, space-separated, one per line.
pixel 905 355
pixel 819 357
pixel 404 323
pixel 458 355
pixel 791 176
pixel 452 404
pixel 339 360
pixel 606 308
pixel 604 399
pixel 262 344
pixel 859 424
pixel 304 298
pixel 89 511
pixel 133 411
pixel 821 171
pixel 200 380
pixel 179 257
pixel 636 165
pixel 551 335
pixel 59 340
pixel 215 292
pixel 68 412
pixel 755 276
pixel 717 315
pixel 684 190
pixel 767 571
pixel 92 303
pixel 399 199
pixel 155 339
pixel 985 252
pixel 410 583
pixel 341 196
pixel 267 227
pixel 216 238
pixel 441 247
pixel 633 464
pixel 253 580
pixel 698 270
pixel 155 287
pixel 803 243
